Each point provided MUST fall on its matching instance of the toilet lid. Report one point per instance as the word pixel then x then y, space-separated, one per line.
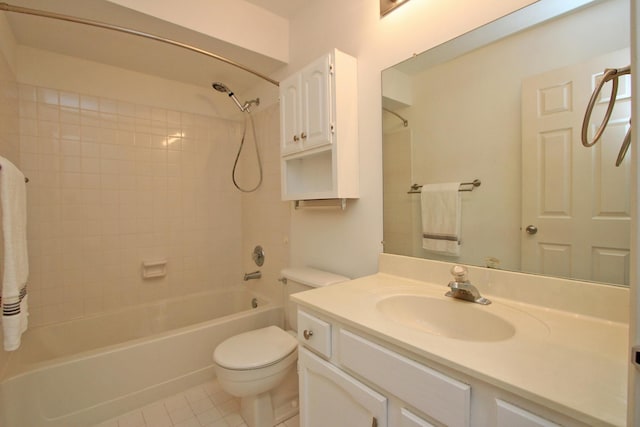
pixel 255 349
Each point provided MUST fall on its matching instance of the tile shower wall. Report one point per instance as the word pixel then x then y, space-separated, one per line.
pixel 266 218
pixel 113 184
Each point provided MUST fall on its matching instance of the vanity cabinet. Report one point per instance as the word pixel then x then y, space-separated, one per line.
pixel 509 415
pixel 348 378
pixel 361 383
pixel 318 130
pixel 331 397
pixel 441 397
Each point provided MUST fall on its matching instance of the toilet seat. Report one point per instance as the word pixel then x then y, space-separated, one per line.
pixel 255 349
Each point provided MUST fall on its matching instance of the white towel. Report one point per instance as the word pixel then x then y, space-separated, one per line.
pixel 441 212
pixel 13 193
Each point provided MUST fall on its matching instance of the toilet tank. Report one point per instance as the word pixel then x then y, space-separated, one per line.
pixel 304 279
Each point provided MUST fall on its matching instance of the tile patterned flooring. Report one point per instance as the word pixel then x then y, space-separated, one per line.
pixel 205 405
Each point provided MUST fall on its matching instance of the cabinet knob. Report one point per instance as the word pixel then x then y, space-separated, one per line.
pixel 303 135
pixel 307 334
pixel 295 138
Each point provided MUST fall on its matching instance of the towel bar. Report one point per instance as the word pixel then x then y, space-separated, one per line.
pixel 415 188
pixel 25 178
pixel 321 203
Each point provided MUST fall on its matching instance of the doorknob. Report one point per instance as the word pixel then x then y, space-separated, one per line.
pixel 531 229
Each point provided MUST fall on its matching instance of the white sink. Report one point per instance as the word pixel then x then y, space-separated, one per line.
pixel 458 319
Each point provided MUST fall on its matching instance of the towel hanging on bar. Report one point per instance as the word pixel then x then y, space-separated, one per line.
pixel 25 178
pixel 15 308
pixel 441 212
pixel 416 188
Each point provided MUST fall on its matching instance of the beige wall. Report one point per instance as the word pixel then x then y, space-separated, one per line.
pixel 345 242
pixel 265 218
pixel 9 145
pixel 349 242
pixel 126 167
pixel 473 129
pixel 114 184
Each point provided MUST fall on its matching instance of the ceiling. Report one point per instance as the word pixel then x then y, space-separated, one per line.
pixel 140 54
pixel 285 8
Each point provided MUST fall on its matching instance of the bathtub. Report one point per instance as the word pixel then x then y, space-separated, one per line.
pixel 82 372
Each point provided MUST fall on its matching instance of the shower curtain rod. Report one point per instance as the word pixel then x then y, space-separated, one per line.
pixel 405 122
pixel 17 9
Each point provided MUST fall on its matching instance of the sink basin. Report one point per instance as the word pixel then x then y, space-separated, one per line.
pixel 457 319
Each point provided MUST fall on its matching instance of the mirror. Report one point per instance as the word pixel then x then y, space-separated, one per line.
pixel 504 104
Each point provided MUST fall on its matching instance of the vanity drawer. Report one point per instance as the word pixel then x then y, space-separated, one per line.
pixel 510 415
pixel 443 398
pixel 409 419
pixel 314 333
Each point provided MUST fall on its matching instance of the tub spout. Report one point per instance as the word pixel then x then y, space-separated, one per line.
pixel 252 275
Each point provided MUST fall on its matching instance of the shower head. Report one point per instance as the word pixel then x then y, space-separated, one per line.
pixel 221 87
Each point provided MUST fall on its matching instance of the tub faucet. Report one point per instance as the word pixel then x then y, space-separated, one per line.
pixel 462 288
pixel 252 275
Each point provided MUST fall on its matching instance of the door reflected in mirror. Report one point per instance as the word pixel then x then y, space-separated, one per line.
pixel 504 104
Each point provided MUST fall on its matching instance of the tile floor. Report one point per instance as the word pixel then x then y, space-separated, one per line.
pixel 206 405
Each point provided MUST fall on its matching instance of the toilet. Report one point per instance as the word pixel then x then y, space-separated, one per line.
pixel 259 366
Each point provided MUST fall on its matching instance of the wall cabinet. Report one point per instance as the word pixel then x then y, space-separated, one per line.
pixel 319 131
pixel 351 379
pixel 305 102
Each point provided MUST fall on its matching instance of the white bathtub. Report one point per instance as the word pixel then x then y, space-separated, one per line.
pixel 81 372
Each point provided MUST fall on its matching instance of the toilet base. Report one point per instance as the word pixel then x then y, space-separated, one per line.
pixel 273 407
pixel 257 411
pixel 285 398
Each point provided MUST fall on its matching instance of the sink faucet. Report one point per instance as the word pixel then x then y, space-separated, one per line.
pixel 462 288
pixel 252 275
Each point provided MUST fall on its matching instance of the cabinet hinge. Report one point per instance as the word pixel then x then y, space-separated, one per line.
pixel 332 128
pixel 330 68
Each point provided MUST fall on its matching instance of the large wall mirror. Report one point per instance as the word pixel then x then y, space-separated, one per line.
pixel 504 104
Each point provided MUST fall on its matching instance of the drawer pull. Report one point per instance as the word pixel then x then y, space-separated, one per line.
pixel 307 334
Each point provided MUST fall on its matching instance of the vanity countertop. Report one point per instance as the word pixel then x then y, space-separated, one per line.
pixel 571 363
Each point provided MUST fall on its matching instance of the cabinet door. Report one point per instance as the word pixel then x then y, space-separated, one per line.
pixel 316 103
pixel 330 397
pixel 290 114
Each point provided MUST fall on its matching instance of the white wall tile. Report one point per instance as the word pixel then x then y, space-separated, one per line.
pixel 116 194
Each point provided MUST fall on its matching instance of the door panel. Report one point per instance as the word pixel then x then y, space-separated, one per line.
pixel 317 102
pixel 575 196
pixel 329 397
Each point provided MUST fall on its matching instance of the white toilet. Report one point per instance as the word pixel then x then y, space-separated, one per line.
pixel 259 366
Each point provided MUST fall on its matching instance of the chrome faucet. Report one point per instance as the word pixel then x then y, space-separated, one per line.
pixel 462 288
pixel 252 275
